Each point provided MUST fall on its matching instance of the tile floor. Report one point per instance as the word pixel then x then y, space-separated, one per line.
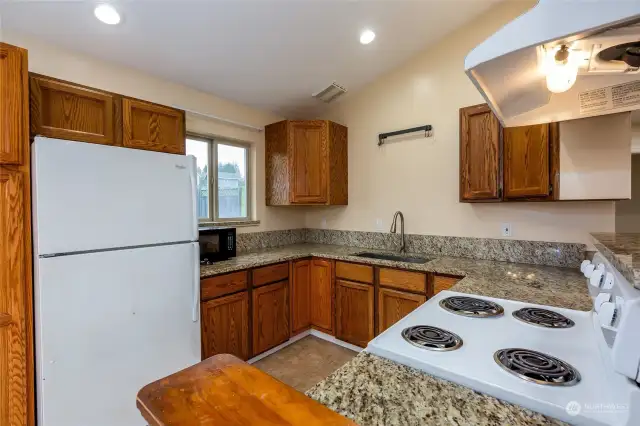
pixel 306 362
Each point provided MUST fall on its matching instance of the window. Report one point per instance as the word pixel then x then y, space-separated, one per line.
pixel 222 189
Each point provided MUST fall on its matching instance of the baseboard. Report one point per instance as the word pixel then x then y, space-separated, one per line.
pixel 330 338
pixel 316 333
pixel 280 346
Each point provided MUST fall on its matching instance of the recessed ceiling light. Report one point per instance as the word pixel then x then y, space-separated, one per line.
pixel 367 36
pixel 107 14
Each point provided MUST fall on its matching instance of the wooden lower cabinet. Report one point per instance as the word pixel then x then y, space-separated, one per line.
pixel 270 316
pixel 225 326
pixel 300 296
pixel 444 282
pixel 321 312
pixel 394 305
pixel 354 312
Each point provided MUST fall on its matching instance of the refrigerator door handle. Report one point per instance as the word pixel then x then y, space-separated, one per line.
pixel 193 180
pixel 195 314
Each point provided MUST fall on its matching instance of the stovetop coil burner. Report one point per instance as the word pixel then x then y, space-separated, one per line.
pixel 537 367
pixel 543 318
pixel 432 338
pixel 471 307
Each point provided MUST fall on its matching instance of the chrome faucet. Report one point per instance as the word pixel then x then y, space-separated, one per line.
pixel 402 248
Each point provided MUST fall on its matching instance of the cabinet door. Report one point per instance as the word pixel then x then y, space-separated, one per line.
pixel 225 326
pixel 443 282
pixel 153 127
pixel 322 295
pixel 300 296
pixel 14 92
pixel 394 305
pixel 526 161
pixel 13 283
pixel 479 154
pixel 270 316
pixel 308 155
pixel 354 312
pixel 65 110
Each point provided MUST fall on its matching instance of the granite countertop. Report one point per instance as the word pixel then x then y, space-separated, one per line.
pixel 374 391
pixel 544 285
pixel 623 251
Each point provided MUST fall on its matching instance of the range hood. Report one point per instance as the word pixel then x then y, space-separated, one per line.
pixel 561 60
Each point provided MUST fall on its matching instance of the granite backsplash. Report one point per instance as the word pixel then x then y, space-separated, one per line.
pixel 520 251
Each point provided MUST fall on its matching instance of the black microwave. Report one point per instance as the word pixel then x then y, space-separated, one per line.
pixel 216 244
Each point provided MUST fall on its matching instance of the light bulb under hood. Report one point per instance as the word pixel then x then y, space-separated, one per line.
pixel 561 69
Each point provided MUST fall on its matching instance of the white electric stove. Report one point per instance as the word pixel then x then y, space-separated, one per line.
pixel 579 367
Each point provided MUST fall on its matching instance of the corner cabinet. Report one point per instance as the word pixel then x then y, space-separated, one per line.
pixel 270 316
pixel 64 110
pixel 300 296
pixel 322 295
pixel 306 163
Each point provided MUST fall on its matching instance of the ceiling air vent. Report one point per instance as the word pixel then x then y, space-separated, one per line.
pixel 330 93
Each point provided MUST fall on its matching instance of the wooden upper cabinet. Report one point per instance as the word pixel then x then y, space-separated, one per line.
pixel 526 160
pixel 64 110
pixel 322 294
pixel 354 312
pixel 225 326
pixel 306 163
pixel 14 114
pixel 153 127
pixel 479 154
pixel 300 296
pixel 14 381
pixel 270 316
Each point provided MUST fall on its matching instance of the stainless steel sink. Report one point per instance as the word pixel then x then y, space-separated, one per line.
pixel 396 258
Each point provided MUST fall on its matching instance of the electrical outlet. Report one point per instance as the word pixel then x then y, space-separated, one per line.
pixel 506 229
pixel 323 223
pixel 379 225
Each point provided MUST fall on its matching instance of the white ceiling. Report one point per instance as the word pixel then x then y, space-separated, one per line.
pixel 271 54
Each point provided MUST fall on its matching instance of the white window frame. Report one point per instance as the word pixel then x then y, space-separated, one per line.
pixel 212 156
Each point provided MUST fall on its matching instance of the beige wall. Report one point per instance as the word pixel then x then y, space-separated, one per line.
pixel 52 61
pixel 420 176
pixel 628 211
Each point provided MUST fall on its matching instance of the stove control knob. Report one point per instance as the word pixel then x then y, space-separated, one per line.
pixel 584 264
pixel 607 314
pixel 588 270
pixel 600 300
pixel 596 278
pixel 609 281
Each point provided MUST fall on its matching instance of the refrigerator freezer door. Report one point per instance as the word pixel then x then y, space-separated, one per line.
pixel 109 323
pixel 91 197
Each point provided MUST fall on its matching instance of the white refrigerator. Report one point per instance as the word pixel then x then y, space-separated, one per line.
pixel 117 278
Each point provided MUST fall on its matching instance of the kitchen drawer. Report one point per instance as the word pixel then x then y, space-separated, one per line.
pixel 443 282
pixel 354 272
pixel 404 280
pixel 270 274
pixel 222 284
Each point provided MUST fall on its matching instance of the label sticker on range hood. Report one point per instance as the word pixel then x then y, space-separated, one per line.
pixel 610 98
